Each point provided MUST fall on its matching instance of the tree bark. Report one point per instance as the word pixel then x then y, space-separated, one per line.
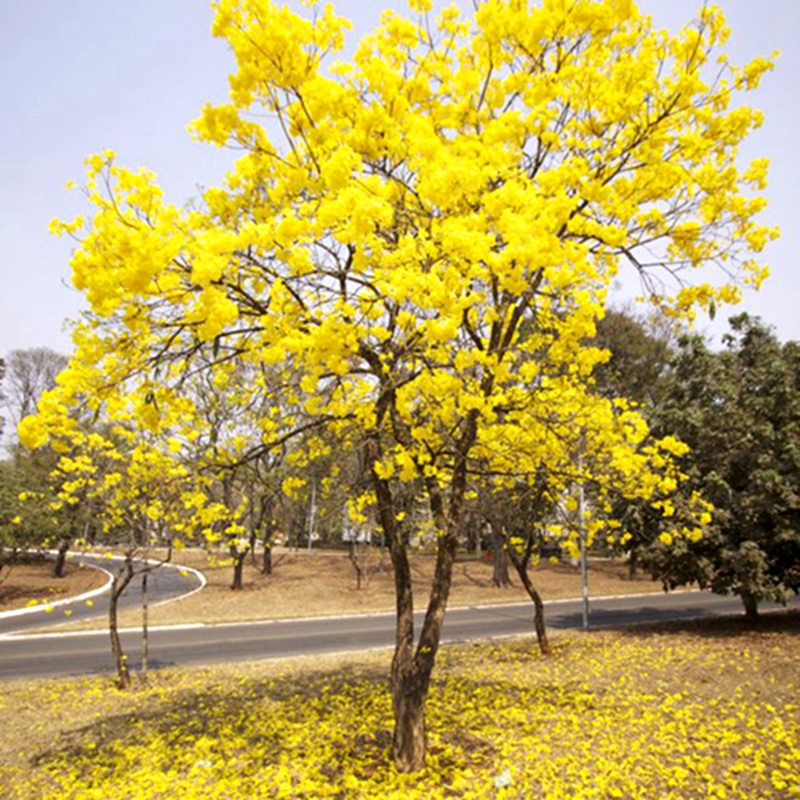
pixel 238 568
pixel 253 541
pixel 538 612
pixel 145 625
pixel 409 693
pixel 408 690
pixel 61 557
pixel 408 696
pixel 353 555
pixel 633 563
pixel 266 559
pixel 520 562
pixel 750 606
pixel 121 580
pixel 472 528
pixel 269 529
pixel 500 576
pixel 412 667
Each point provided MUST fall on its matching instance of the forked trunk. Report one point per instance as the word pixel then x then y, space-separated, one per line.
pixel 412 666
pixel 410 675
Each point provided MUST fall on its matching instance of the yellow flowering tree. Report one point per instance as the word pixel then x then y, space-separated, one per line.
pixel 131 494
pixel 414 246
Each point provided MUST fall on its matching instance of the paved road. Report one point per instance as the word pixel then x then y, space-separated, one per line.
pixel 166 582
pixel 82 653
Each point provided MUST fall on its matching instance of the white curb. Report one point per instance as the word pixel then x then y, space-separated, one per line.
pixel 39 607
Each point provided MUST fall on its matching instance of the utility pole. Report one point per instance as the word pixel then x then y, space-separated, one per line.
pixel 312 512
pixel 582 535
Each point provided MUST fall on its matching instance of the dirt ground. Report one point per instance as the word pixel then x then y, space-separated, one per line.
pixel 30 584
pixel 324 583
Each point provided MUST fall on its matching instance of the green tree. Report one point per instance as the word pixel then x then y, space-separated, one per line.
pixel 739 411
pixel 640 352
pixel 27 519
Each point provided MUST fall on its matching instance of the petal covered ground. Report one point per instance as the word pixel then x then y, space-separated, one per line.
pixel 700 710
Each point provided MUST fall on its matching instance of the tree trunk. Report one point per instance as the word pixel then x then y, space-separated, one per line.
pixel 473 532
pixel 412 667
pixel 411 673
pixel 61 557
pixel 252 546
pixel 145 625
pixel 500 576
pixel 118 586
pixel 238 568
pixel 750 606
pixel 269 530
pixel 353 555
pixel 538 613
pixel 633 563
pixel 266 559
pixel 409 692
pixel 520 563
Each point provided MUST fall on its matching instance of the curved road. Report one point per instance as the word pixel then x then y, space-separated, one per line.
pixel 166 582
pixel 82 653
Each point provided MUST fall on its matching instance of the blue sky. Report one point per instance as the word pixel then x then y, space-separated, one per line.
pixel 80 76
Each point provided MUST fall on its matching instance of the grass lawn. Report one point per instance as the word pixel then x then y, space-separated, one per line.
pixel 696 710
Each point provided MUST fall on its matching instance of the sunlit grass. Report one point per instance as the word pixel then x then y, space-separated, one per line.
pixel 701 711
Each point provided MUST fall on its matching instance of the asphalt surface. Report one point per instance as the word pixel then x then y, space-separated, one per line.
pixel 165 582
pixel 44 655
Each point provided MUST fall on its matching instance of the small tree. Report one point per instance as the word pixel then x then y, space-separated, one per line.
pixel 739 411
pixel 28 520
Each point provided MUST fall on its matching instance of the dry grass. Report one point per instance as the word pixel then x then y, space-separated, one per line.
pixel 28 584
pixel 318 584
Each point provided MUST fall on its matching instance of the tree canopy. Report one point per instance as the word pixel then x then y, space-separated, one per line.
pixel 412 250
pixel 739 411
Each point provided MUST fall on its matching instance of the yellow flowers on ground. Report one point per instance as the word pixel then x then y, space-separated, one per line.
pixel 668 715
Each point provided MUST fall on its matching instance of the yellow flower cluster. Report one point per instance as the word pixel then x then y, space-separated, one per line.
pixel 439 219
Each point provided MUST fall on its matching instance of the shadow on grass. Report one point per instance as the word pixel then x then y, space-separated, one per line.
pixel 786 621
pixel 216 710
pixel 347 707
